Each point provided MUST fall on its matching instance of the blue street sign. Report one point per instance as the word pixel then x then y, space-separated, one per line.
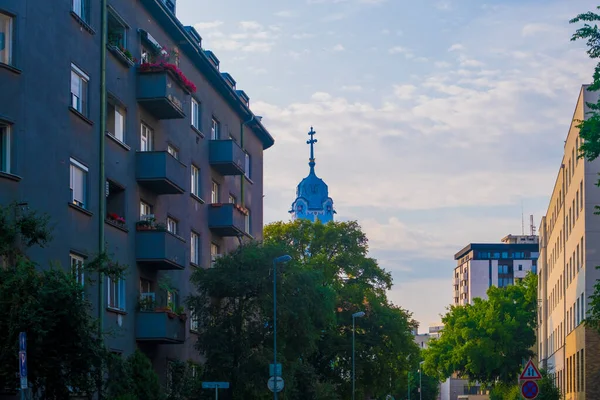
pixel 23 363
pixel 22 341
pixel 272 370
pixel 215 385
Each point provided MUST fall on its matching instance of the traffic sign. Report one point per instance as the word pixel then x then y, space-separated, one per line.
pixel 530 390
pixel 272 370
pixel 215 385
pixel 275 387
pixel 22 341
pixel 530 372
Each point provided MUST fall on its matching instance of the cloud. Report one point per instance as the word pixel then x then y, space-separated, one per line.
pixel 398 50
pixel 284 14
pixel 404 92
pixel 338 47
pixel 456 47
pixel 303 35
pixel 201 26
pixel 250 25
pixel 443 5
pixel 251 36
pixel 352 88
pixel 535 28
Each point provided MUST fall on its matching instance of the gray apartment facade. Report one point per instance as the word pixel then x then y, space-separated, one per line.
pixel 183 168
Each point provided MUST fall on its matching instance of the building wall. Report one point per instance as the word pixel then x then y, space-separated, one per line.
pixel 46 134
pixel 570 255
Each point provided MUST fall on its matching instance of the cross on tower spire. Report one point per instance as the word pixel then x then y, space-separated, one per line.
pixel 312 141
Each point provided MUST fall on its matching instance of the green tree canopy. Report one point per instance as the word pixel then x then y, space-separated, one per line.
pixel 487 341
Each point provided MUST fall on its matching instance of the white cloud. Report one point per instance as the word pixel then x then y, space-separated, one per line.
pixel 338 47
pixel 456 47
pixel 443 5
pixel 398 50
pixel 535 28
pixel 352 88
pixel 284 14
pixel 250 25
pixel 404 92
pixel 252 36
pixel 210 25
pixel 303 35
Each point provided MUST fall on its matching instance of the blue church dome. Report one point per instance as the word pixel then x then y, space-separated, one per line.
pixel 312 195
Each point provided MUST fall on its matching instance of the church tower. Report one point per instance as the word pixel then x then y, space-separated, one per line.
pixel 312 195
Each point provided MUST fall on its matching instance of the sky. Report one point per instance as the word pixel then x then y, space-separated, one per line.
pixel 438 121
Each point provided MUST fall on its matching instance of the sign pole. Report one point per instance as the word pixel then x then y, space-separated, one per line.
pixel 216 393
pixel 23 364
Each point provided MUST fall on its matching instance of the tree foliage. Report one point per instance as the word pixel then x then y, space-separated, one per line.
pixel 548 390
pixel 329 278
pixel 487 341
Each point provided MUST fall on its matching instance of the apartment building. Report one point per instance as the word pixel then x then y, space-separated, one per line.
pixel 173 180
pixel 482 265
pixel 569 237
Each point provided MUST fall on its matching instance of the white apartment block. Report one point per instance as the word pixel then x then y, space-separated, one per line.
pixel 569 244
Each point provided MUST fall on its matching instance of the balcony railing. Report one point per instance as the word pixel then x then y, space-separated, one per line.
pixel 160 250
pixel 161 94
pixel 159 327
pixel 227 157
pixel 226 219
pixel 160 172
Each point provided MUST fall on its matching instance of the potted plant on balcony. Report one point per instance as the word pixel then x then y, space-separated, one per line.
pixel 181 313
pixel 163 63
pixel 150 224
pixel 242 209
pixel 115 41
pixel 116 219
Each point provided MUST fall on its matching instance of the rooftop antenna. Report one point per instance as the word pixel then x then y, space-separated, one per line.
pixel 532 225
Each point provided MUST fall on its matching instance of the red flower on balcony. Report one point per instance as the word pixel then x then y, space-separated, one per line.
pixel 165 66
pixel 115 217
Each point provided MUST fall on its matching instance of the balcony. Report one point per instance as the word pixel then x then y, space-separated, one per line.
pixel 226 219
pixel 160 172
pixel 226 157
pixel 161 94
pixel 159 327
pixel 160 250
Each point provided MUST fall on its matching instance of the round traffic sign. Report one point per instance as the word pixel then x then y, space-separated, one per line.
pixel 271 384
pixel 530 390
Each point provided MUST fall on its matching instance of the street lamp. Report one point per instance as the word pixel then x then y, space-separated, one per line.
pixel 420 386
pixel 359 314
pixel 279 260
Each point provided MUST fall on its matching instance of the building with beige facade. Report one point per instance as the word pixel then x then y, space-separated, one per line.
pixel 569 242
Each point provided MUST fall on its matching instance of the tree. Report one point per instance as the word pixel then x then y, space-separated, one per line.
pixel 548 390
pixel 339 251
pixel 132 379
pixel 487 341
pixel 234 306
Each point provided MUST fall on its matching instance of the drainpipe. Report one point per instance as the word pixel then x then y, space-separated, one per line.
pixel 102 172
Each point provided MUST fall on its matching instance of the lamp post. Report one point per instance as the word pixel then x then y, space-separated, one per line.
pixel 420 386
pixel 359 314
pixel 279 260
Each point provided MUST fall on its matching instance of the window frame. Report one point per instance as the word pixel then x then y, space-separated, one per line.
pixel 194 321
pixel 84 10
pixel 215 129
pixel 173 151
pixel 112 13
pixel 77 270
pixel 120 294
pixel 248 165
pixel 116 107
pixel 149 142
pixel 84 81
pixel 214 192
pixel 76 164
pixel 194 248
pixel 9 43
pixel 172 225
pixel 147 205
pixel 247 222
pixel 5 148
pixel 195 181
pixel 195 114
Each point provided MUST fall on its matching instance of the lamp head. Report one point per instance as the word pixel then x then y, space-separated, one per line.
pixel 282 259
pixel 359 314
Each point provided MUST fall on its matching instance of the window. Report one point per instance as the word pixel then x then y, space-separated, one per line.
pixel 146 138
pixel 115 202
pixel 232 199
pixel 148 54
pixel 195 184
pixel 195 248
pixel 195 114
pixel 6 39
pixel 116 294
pixel 115 120
pixel 248 169
pixel 5 148
pixel 247 223
pixel 214 193
pixel 581 195
pixel 78 183
pixel 215 130
pixel 77 268
pixel 214 253
pixel 172 225
pixel 520 267
pixel 145 210
pixel 79 90
pixel 81 8
pixel 173 151
pixel 194 325
pixel 117 31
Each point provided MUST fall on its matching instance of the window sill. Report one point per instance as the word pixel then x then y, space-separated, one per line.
pixel 194 332
pixel 10 68
pixel 192 264
pixel 125 61
pixel 250 181
pixel 81 209
pixel 10 177
pixel 116 310
pixel 80 115
pixel 197 131
pixel 198 199
pixel 117 141
pixel 83 24
pixel 116 225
